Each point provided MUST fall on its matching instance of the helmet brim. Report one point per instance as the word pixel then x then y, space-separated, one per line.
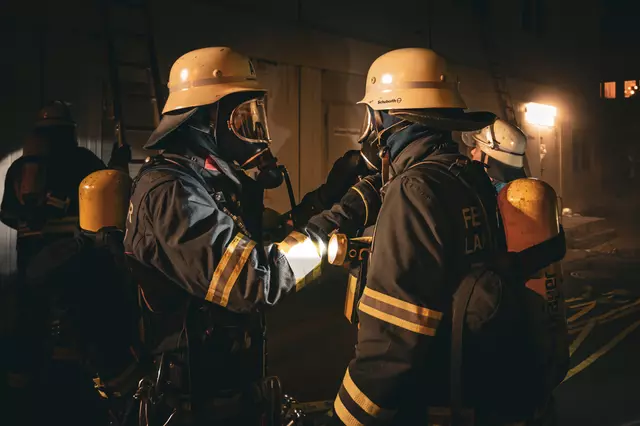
pixel 448 119
pixel 170 122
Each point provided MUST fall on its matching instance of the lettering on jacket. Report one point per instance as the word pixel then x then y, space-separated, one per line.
pixel 474 236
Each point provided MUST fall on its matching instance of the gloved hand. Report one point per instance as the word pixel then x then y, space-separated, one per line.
pixel 274 226
pixel 342 176
pixel 344 173
pixel 357 210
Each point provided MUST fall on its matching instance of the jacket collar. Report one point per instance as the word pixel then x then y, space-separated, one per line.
pixel 420 149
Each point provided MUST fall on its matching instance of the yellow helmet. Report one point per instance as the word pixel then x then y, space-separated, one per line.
pixel 104 200
pixel 204 76
pixel 411 78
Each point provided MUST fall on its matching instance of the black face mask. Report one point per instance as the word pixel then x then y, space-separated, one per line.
pixel 378 126
pixel 244 141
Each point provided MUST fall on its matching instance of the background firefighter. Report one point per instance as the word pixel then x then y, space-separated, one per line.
pixel 40 201
pixel 86 311
pixel 194 242
pixel 501 146
pixel 41 187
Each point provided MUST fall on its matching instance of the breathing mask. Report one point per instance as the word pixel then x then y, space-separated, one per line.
pixel 377 127
pixel 239 125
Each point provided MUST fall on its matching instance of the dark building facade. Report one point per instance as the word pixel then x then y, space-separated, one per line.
pixel 313 58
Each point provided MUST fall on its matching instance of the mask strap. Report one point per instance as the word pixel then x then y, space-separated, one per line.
pixel 384 156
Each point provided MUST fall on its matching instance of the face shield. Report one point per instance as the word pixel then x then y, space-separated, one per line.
pixel 245 138
pixel 248 121
pixel 369 138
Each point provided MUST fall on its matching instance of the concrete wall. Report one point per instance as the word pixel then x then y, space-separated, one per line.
pixel 314 77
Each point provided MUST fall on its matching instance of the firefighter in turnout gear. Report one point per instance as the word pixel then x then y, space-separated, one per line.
pixel 40 201
pixel 501 146
pixel 87 312
pixel 194 245
pixel 438 218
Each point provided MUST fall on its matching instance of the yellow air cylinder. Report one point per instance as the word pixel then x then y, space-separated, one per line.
pixel 104 200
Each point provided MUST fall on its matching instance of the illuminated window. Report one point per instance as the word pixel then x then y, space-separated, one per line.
pixel 630 88
pixel 608 90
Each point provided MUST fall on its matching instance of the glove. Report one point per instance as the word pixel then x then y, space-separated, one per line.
pixel 344 173
pixel 357 210
pixel 274 226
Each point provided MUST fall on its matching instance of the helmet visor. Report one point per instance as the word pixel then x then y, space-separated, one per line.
pixel 487 138
pixel 469 138
pixel 248 121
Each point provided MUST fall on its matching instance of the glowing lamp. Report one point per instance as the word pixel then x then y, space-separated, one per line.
pixel 337 249
pixel 342 250
pixel 540 114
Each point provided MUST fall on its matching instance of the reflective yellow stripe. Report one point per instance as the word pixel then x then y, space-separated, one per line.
pixel 229 269
pixel 64 225
pixel 315 274
pixel 303 256
pixel 290 241
pixel 364 200
pixel 350 297
pixel 237 269
pixel 64 354
pixel 345 416
pixel 363 401
pixel 400 313
pixel 409 307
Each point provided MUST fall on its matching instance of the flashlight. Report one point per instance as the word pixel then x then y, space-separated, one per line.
pixel 343 250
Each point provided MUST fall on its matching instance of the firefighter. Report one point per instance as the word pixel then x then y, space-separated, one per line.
pixel 87 312
pixel 501 146
pixel 40 201
pixel 438 217
pixel 194 244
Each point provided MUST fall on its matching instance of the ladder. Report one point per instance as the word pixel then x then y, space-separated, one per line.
pixel 500 84
pixel 481 10
pixel 134 90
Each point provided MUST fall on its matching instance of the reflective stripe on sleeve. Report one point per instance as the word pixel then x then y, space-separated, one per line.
pixel 352 404
pixel 303 256
pixel 65 225
pixel 364 201
pixel 229 269
pixel 400 313
pixel 343 414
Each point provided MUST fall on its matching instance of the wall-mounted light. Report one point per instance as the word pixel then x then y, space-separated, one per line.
pixel 540 114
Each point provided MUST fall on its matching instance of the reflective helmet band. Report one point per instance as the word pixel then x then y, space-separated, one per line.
pixel 209 82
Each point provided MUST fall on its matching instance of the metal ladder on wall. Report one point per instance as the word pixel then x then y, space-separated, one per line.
pixel 134 95
pixel 500 84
